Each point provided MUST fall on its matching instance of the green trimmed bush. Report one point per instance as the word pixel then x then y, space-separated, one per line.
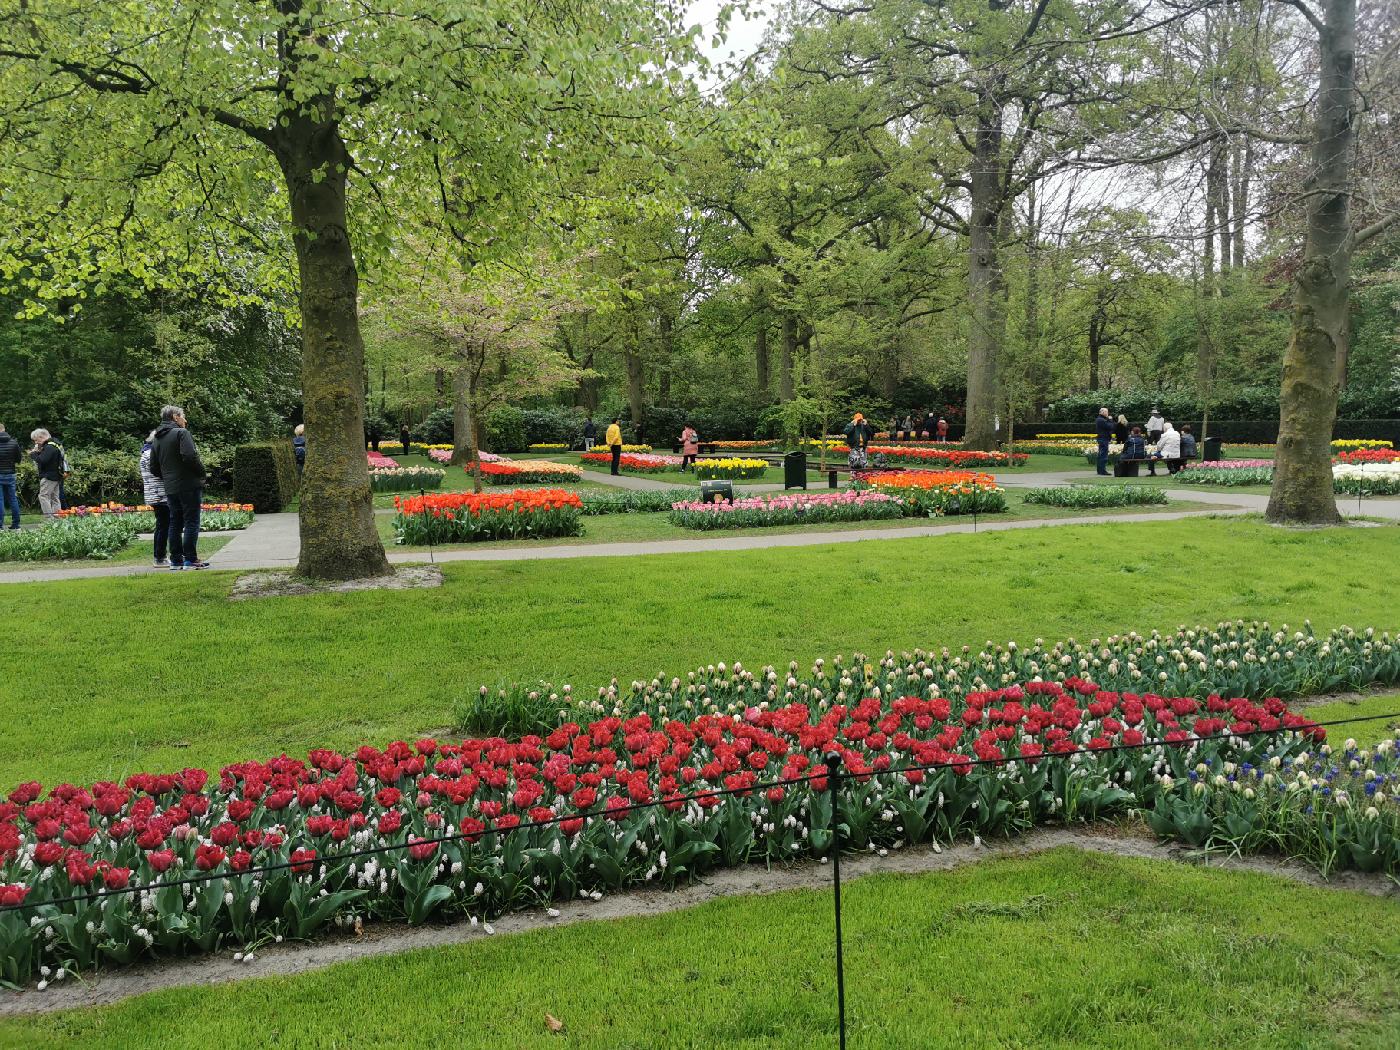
pixel 265 475
pixel 504 431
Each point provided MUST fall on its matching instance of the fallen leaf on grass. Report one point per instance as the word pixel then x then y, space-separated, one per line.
pixel 553 1023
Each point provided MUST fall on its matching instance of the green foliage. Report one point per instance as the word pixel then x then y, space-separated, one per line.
pixel 628 501
pixel 1083 497
pixel 405 479
pixel 435 429
pixel 265 475
pixel 503 431
pixel 553 425
pixel 97 477
pixel 98 538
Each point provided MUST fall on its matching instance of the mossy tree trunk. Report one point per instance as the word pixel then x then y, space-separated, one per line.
pixel 1302 491
pixel 466 450
pixel 338 535
pixel 986 285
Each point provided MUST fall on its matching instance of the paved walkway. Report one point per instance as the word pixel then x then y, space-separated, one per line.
pixel 273 540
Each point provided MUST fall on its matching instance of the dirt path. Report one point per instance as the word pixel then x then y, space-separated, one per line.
pixel 287 959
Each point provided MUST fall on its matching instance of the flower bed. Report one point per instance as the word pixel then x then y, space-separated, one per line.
pixel 1084 497
pixel 443 454
pixel 1371 479
pixel 395 447
pixel 528 472
pixel 1229 464
pixel 782 509
pixel 732 468
pixel 934 493
pixel 939 456
pixel 1045 447
pixel 214 517
pixel 404 479
pixel 379 461
pixel 1355 443
pixel 549 447
pixel 484 825
pixel 635 462
pixel 1369 455
pixel 463 517
pixel 628 501
pixel 1232 476
pixel 600 447
pixel 740 446
pixel 91 538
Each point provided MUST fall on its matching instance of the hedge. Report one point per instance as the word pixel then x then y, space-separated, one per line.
pixel 265 475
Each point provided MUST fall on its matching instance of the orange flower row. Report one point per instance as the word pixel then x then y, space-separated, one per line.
pixel 927 479
pixel 517 501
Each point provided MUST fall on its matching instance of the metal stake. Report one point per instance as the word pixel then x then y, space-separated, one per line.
pixel 833 774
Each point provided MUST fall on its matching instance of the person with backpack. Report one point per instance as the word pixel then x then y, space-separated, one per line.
pixel 590 434
pixel 175 461
pixel 154 493
pixel 48 463
pixel 690 446
pixel 299 446
pixel 10 454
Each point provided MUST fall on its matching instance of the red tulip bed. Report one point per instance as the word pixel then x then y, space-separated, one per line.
pixel 438 817
pixel 635 462
pixel 939 456
pixel 525 472
pixel 462 517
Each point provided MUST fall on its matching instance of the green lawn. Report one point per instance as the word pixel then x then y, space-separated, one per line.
pixel 1063 949
pixel 1367 733
pixel 252 679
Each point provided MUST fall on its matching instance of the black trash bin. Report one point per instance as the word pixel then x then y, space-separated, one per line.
pixel 795 470
pixel 1210 450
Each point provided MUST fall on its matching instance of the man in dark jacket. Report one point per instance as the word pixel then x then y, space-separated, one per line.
pixel 175 460
pixel 48 464
pixel 1105 434
pixel 9 482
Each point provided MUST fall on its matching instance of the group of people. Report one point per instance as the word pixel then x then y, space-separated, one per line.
pixel 51 464
pixel 926 427
pixel 1162 444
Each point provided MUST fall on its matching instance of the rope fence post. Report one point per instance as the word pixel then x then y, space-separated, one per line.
pixel 833 777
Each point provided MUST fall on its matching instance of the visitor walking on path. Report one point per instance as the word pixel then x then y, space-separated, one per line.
pixel 614 441
pixel 48 462
pixel 175 461
pixel 299 446
pixel 690 446
pixel 403 436
pixel 10 454
pixel 1104 424
pixel 858 434
pixel 154 493
pixel 1120 429
pixel 1155 426
pixel 942 429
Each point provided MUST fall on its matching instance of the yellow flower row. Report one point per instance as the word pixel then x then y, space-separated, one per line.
pixel 734 462
pixel 1361 443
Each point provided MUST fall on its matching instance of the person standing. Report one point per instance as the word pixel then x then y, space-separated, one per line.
pixel 1104 426
pixel 299 446
pixel 942 430
pixel 930 425
pixel 403 437
pixel 175 461
pixel 690 446
pixel 10 454
pixel 1155 426
pixel 48 462
pixel 590 434
pixel 858 434
pixel 154 493
pixel 1120 429
pixel 614 441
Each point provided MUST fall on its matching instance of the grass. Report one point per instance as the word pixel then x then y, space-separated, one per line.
pixel 1368 733
pixel 139 551
pixel 252 679
pixel 1062 949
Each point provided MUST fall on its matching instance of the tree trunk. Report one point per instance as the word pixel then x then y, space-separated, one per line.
pixel 760 353
pixel 789 352
pixel 1244 161
pixel 636 391
pixel 1302 491
pixel 1094 347
pixel 986 287
pixel 339 540
pixel 668 344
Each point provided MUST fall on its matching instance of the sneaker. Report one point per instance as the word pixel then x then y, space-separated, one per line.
pixel 176 566
pixel 196 565
pixel 161 563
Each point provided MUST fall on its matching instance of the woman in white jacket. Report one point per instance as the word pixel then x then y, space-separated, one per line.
pixel 154 491
pixel 1169 449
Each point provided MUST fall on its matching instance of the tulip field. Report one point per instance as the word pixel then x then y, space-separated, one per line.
pixel 554 736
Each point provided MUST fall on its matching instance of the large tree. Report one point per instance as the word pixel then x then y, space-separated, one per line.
pixel 148 139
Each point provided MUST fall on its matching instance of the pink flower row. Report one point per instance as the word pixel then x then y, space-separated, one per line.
pixel 785 502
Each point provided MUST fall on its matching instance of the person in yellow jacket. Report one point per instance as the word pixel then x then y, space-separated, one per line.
pixel 614 442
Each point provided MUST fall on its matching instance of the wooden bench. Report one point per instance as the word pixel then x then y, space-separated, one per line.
pixel 1129 468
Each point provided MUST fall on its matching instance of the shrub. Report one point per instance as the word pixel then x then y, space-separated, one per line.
pixel 265 475
pixel 554 426
pixel 503 430
pixel 97 537
pixel 1081 497
pixel 436 429
pixel 97 477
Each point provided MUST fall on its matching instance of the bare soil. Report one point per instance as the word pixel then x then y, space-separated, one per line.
pixel 283 584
